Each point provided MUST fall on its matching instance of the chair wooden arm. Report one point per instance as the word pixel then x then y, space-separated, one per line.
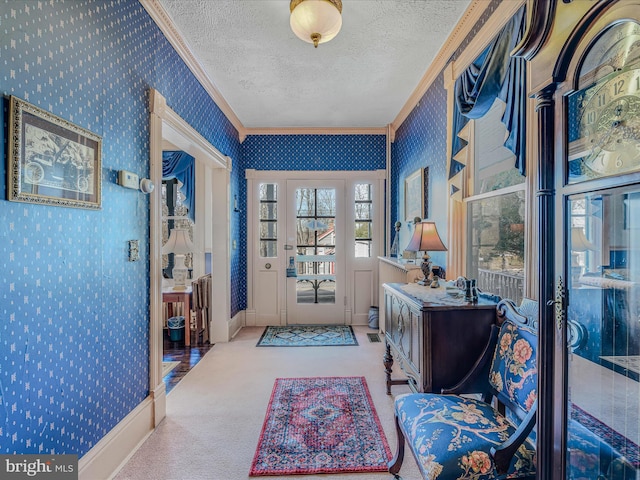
pixel 503 454
pixel 476 380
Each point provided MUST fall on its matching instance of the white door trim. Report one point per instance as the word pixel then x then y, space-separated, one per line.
pixel 280 177
pixel 168 126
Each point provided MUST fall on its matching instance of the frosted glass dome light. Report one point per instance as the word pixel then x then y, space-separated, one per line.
pixel 316 21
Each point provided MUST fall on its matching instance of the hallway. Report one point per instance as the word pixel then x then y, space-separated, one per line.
pixel 215 414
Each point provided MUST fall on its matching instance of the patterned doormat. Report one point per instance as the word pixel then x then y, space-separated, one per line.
pixel 320 425
pixel 307 336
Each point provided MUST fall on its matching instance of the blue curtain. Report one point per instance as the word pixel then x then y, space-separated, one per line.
pixel 181 166
pixel 494 74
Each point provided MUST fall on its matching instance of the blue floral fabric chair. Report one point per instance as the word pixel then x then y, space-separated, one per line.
pixel 463 437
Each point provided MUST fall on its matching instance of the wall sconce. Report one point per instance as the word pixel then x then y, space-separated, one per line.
pixel 146 185
pixel 134 250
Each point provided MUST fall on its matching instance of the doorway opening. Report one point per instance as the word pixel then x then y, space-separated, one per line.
pixel 209 235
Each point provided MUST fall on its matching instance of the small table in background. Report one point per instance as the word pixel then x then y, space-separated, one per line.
pixel 169 295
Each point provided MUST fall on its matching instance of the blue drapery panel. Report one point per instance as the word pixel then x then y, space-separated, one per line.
pixel 494 74
pixel 181 166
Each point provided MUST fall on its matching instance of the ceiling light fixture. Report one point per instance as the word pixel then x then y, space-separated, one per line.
pixel 316 21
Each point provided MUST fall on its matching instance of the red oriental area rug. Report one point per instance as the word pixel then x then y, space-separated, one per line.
pixel 320 425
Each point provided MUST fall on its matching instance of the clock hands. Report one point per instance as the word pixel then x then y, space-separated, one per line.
pixel 618 113
pixel 604 139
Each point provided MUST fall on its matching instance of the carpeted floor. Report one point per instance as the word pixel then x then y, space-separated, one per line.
pixel 215 414
pixel 307 336
pixel 320 425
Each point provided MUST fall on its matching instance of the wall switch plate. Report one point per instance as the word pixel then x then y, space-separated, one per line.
pixel 134 250
pixel 128 179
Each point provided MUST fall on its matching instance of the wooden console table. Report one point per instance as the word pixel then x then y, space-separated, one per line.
pixel 169 296
pixel 435 343
pixel 394 270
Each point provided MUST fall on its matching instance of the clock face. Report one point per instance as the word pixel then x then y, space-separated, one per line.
pixel 610 125
pixel 604 115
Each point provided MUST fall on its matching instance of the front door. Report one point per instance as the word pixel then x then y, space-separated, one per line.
pixel 315 254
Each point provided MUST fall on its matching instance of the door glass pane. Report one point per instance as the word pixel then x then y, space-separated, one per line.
pixel 603 321
pixel 316 244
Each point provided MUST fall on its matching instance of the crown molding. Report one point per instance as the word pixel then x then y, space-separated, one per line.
pixel 317 131
pixel 468 21
pixel 160 16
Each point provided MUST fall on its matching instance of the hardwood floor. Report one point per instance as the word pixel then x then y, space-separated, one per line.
pixel 187 356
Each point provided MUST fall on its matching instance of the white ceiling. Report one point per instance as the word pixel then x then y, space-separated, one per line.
pixel 272 79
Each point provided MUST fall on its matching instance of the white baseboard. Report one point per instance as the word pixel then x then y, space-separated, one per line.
pixel 159 396
pixel 236 323
pixel 250 318
pixel 108 456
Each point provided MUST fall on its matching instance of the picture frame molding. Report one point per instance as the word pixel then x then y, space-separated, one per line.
pixel 52 178
pixel 414 196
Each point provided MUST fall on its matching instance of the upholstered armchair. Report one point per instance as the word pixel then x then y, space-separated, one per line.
pixel 458 435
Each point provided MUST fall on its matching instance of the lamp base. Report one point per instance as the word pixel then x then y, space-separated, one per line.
pixel 180 278
pixel 425 266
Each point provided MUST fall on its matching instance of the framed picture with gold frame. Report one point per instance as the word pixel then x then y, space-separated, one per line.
pixel 51 160
pixel 414 195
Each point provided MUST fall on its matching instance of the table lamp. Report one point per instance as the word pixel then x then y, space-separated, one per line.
pixel 179 244
pixel 579 243
pixel 425 237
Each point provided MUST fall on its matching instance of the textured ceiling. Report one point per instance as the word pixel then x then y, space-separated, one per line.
pixel 271 79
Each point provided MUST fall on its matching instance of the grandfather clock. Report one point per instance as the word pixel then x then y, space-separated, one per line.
pixel 584 64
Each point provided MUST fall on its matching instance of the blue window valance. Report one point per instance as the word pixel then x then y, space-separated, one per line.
pixel 494 74
pixel 181 166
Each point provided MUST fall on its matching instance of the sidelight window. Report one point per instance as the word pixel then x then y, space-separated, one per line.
pixel 363 220
pixel 268 218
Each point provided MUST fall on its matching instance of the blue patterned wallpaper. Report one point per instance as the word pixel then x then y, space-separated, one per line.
pixel 73 311
pixel 315 152
pixel 421 142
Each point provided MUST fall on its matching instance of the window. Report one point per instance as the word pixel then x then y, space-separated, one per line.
pixel 363 220
pixel 268 217
pixel 495 210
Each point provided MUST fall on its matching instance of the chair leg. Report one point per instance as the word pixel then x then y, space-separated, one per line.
pixel 396 461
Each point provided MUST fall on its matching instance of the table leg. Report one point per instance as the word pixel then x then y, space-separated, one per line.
pixel 388 364
pixel 187 321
